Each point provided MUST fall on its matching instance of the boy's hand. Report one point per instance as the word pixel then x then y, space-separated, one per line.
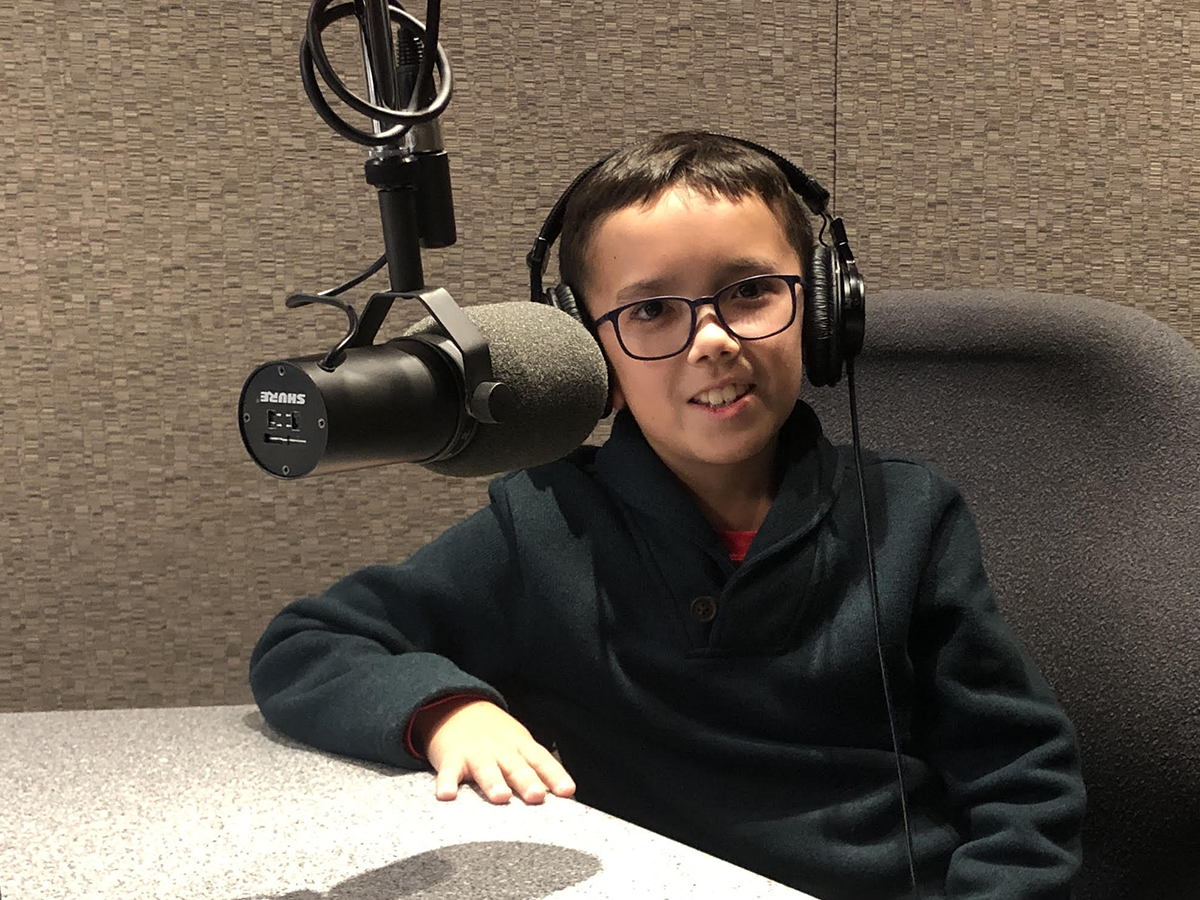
pixel 475 740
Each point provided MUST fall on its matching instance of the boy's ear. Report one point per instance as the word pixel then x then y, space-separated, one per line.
pixel 616 400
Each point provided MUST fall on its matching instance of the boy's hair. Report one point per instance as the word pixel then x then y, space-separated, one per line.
pixel 708 163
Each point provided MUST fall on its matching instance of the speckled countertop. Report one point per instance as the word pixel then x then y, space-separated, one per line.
pixel 208 803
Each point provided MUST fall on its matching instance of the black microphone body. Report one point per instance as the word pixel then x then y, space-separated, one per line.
pixel 405 400
pixel 391 402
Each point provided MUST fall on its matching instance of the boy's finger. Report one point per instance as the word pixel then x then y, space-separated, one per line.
pixel 524 780
pixel 448 779
pixel 550 771
pixel 487 775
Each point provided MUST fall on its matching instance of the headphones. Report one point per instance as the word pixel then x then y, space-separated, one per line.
pixel 834 295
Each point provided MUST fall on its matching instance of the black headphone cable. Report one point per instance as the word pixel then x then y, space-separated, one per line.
pixel 887 692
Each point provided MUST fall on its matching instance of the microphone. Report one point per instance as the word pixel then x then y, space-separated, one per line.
pixel 407 399
pixel 469 392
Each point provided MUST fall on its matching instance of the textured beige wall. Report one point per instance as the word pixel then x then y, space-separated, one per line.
pixel 164 184
pixel 1016 143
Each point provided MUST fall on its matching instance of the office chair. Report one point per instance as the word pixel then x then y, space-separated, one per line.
pixel 1072 427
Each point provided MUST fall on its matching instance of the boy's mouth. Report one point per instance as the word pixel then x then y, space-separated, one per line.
pixel 722 396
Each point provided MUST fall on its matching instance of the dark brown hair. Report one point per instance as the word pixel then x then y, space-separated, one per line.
pixel 703 162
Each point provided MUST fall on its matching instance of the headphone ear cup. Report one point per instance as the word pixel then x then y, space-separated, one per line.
pixel 562 297
pixel 822 321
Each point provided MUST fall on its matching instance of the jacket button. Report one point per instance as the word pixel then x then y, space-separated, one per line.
pixel 704 609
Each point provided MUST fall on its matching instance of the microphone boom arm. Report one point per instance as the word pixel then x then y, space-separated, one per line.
pixel 407 163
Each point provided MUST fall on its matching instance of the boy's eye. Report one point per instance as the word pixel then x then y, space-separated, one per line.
pixel 649 310
pixel 749 289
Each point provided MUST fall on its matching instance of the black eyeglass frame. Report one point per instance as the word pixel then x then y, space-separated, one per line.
pixel 693 305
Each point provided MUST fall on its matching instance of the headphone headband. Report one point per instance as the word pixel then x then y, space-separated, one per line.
pixel 815 197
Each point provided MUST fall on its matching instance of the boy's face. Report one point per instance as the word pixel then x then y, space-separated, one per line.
pixel 688 244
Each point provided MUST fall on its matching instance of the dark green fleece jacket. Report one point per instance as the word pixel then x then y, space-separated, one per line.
pixel 759 735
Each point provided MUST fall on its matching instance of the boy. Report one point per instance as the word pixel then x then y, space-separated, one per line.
pixel 684 613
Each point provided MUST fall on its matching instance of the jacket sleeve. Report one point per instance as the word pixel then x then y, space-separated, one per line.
pixel 993 728
pixel 345 671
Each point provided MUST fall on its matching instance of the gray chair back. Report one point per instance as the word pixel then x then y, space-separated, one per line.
pixel 1072 427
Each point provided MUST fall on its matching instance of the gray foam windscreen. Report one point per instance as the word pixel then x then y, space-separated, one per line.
pixel 559 376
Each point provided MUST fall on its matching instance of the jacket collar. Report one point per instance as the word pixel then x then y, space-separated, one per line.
pixel 631 469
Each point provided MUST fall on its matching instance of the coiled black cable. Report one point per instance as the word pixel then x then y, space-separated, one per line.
pixel 313 60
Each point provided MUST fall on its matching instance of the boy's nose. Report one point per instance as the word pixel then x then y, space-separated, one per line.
pixel 711 339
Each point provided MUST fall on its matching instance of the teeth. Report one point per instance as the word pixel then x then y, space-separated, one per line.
pixel 725 395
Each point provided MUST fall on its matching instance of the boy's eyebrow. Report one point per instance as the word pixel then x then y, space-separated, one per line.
pixel 657 285
pixel 640 290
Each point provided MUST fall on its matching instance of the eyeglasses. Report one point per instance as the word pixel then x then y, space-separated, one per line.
pixel 661 327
